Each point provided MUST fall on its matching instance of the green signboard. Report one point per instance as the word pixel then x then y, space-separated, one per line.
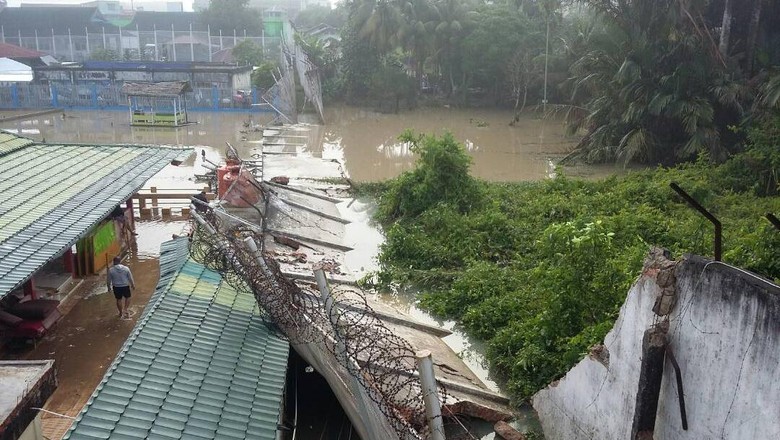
pixel 103 238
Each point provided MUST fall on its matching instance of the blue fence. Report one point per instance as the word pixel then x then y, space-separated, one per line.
pixel 96 96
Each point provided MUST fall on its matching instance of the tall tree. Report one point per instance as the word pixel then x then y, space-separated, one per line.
pixel 230 15
pixel 725 28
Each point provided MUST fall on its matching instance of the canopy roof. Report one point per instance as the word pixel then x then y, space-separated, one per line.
pixel 200 364
pixel 170 88
pixel 54 194
pixel 14 71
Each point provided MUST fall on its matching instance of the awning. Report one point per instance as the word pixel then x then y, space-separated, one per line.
pixel 51 195
pixel 14 71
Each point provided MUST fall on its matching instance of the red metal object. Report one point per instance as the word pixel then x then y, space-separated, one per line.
pixel 29 289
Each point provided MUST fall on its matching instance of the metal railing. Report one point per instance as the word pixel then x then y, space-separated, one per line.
pixel 95 97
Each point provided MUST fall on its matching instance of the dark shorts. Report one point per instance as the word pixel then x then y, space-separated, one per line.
pixel 121 292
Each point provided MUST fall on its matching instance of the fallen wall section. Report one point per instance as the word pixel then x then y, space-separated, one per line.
pixel 724 330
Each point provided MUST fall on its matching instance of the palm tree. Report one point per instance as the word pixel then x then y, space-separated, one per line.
pixel 655 92
pixel 416 33
pixel 378 21
pixel 452 20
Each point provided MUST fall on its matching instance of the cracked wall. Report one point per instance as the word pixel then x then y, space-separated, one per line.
pixel 724 330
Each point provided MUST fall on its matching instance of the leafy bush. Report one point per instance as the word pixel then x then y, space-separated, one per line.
pixel 539 270
pixel 441 177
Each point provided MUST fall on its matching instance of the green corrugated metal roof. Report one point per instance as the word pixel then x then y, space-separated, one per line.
pixel 10 142
pixel 50 195
pixel 200 364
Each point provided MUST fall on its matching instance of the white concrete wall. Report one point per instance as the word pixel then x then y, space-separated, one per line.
pixel 725 334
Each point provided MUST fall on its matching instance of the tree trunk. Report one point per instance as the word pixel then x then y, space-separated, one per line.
pixel 750 50
pixel 725 29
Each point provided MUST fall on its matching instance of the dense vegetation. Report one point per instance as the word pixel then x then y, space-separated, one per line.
pixel 539 270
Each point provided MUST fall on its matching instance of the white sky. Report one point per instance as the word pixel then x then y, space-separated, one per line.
pixel 187 3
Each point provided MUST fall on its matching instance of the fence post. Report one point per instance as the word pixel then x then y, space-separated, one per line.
pixel 214 98
pixel 430 394
pixel 254 95
pixel 15 95
pixel 55 99
pixel 93 93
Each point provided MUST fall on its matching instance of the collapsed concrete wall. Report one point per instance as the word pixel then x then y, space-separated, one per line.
pixel 723 326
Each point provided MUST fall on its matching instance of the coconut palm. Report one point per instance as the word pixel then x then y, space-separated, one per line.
pixel 416 33
pixel 452 21
pixel 378 22
pixel 656 91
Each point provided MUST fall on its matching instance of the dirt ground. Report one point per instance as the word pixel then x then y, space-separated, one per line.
pixel 86 340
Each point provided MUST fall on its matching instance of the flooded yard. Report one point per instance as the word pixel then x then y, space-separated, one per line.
pixel 363 143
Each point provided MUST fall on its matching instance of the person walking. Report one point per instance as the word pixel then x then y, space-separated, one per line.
pixel 121 279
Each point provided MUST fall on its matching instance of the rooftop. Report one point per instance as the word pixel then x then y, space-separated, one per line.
pixel 170 88
pixel 200 364
pixel 53 194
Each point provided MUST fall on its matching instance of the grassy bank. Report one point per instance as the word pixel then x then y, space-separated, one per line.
pixel 539 270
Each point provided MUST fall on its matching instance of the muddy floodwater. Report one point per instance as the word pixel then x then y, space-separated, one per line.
pixel 363 142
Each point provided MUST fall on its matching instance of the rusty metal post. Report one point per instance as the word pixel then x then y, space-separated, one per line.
pixel 680 394
pixel 774 220
pixel 694 204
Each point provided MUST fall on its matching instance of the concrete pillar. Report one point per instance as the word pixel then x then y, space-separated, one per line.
pixel 651 372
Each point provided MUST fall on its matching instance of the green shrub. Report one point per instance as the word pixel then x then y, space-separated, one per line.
pixel 540 270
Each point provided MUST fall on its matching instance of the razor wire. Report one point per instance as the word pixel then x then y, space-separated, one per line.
pixel 383 363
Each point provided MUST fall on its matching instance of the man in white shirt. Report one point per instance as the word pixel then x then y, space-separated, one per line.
pixel 120 278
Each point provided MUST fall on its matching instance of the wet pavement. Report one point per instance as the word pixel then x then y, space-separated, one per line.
pixel 90 334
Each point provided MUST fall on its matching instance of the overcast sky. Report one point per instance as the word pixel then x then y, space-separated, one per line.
pixel 187 3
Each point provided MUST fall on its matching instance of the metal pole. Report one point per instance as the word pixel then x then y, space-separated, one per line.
pixel 70 44
pixel 680 393
pixel 220 39
pixel 86 32
pixel 138 42
pixel 53 43
pixel 37 47
pixel 208 30
pixel 718 228
pixel 121 45
pixel 156 47
pixel 192 45
pixel 546 57
pixel 173 42
pixel 430 394
pixel 234 38
pixel 104 36
pixel 2 32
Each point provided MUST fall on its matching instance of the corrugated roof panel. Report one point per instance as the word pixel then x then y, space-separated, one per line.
pixel 50 195
pixel 206 381
pixel 10 142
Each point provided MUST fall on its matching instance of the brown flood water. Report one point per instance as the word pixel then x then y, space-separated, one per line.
pixel 365 142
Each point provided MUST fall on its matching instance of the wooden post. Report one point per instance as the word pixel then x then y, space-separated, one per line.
pixel 155 211
pixel 166 213
pixel 146 213
pixel 28 288
pixel 185 212
pixel 651 372
pixel 430 394
pixel 132 213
